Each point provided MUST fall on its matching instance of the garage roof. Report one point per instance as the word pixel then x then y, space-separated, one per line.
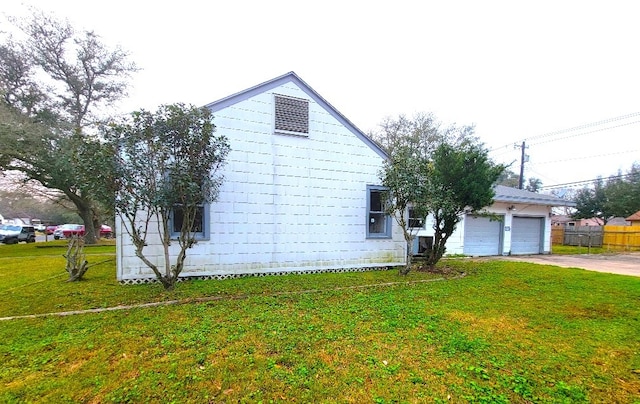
pixel 515 195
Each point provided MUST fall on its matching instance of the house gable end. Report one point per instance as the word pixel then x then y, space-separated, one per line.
pixel 291 77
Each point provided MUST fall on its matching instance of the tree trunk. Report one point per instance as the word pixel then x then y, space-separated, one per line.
pixel 168 282
pixel 442 230
pixel 85 211
pixel 89 231
pixel 97 226
pixel 407 268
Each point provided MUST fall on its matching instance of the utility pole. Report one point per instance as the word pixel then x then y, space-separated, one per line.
pixel 523 158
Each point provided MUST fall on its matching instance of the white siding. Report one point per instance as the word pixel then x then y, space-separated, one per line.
pixel 288 203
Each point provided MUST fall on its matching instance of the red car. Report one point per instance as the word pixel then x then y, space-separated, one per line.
pixel 105 231
pixel 69 230
pixel 50 229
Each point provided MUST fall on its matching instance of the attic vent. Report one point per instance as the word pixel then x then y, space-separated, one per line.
pixel 292 115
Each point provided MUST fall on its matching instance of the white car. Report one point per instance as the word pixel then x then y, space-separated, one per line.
pixel 15 233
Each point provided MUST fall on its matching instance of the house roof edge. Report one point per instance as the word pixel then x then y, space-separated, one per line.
pixel 515 195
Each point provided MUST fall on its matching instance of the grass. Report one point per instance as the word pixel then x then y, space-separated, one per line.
pixel 506 332
pixel 568 249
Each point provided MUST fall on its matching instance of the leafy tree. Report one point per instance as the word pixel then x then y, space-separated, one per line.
pixel 533 184
pixel 623 192
pixel 511 179
pixel 419 133
pixel 167 160
pixel 404 177
pixel 433 169
pixel 592 202
pixel 460 181
pixel 54 83
pixel 616 196
pixel 410 142
pixel 19 203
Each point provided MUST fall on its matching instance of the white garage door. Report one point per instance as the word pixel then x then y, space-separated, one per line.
pixel 482 236
pixel 526 235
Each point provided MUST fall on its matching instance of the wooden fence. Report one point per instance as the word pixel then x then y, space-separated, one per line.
pixel 622 237
pixel 557 235
pixel 587 236
pixel 611 237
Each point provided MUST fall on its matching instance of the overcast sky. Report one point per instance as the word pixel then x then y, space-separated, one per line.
pixel 517 70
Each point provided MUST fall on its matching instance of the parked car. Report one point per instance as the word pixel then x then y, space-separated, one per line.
pixel 15 233
pixel 69 230
pixel 105 231
pixel 40 227
pixel 50 229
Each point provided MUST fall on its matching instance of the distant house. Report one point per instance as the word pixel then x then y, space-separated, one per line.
pixel 520 224
pixel 301 193
pixel 562 220
pixel 593 221
pixel 567 221
pixel 13 221
pixel 618 221
pixel 634 219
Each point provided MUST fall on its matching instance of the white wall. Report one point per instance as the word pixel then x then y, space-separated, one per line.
pixel 288 202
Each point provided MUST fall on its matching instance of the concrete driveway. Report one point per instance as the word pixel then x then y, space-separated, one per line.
pixel 622 263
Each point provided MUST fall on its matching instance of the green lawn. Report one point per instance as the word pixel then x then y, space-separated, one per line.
pixel 568 249
pixel 506 332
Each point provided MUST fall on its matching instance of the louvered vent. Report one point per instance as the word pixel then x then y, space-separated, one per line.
pixel 292 114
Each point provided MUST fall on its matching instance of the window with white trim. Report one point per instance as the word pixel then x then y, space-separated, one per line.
pixel 291 115
pixel 378 222
pixel 415 222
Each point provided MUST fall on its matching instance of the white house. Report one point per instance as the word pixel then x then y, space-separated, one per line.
pixel 523 226
pixel 301 193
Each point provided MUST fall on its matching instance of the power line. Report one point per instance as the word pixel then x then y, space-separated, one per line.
pixel 575 128
pixel 587 133
pixel 583 133
pixel 586 157
pixel 540 175
pixel 582 182
pixel 588 125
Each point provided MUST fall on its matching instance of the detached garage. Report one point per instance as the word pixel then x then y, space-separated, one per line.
pixel 520 223
pixel 482 235
pixel 527 235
